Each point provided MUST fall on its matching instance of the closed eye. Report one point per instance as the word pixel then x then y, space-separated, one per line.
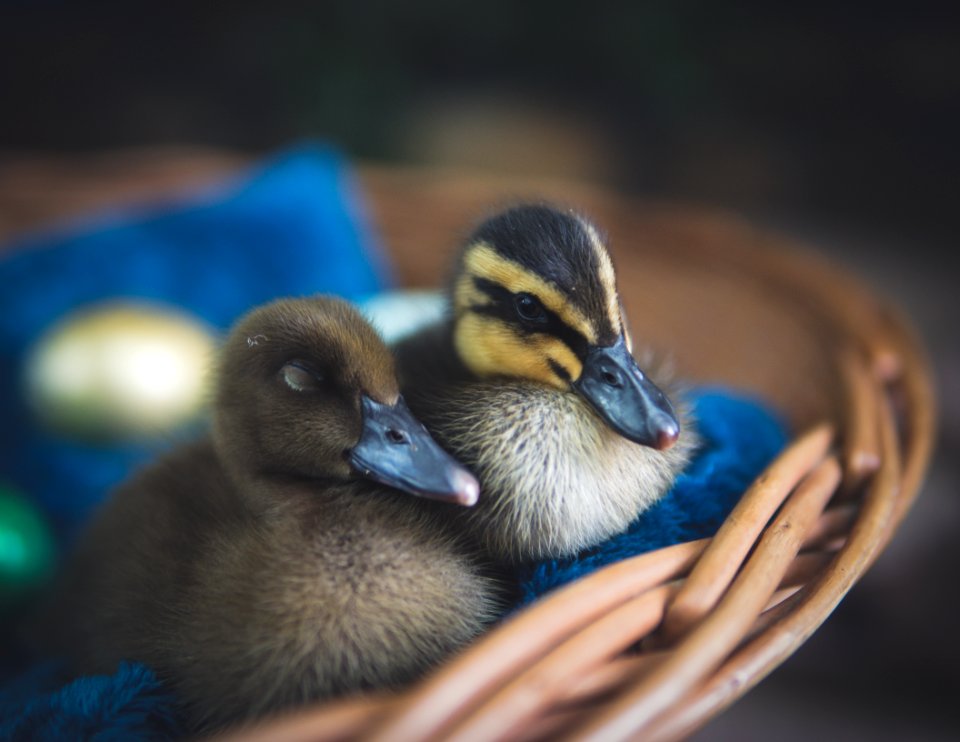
pixel 300 377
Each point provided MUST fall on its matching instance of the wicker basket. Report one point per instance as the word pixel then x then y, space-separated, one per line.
pixel 655 645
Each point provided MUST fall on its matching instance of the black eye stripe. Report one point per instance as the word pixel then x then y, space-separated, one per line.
pixel 503 307
pixel 559 369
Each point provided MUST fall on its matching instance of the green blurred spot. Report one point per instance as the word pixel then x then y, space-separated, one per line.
pixel 27 551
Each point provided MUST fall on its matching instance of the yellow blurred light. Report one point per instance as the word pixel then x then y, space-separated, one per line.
pixel 120 369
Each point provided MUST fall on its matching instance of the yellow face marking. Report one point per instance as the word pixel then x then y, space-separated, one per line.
pixel 467 295
pixel 627 338
pixel 482 261
pixel 608 277
pixel 490 347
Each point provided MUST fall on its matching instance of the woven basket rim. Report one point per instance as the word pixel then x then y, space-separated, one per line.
pixel 714 617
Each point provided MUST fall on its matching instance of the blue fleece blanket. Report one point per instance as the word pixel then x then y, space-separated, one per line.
pixel 292 227
pixel 40 706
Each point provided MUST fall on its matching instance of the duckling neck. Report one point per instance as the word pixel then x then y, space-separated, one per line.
pixel 427 359
pixel 262 488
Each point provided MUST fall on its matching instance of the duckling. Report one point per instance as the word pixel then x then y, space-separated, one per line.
pixel 281 559
pixel 530 382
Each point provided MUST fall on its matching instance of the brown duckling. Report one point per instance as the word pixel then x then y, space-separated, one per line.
pixel 530 382
pixel 281 560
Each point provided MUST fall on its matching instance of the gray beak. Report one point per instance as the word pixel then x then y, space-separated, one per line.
pixel 395 449
pixel 625 398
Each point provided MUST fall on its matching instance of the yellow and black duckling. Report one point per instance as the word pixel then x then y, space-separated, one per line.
pixel 530 382
pixel 267 565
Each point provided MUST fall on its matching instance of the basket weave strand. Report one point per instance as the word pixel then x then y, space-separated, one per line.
pixel 738 534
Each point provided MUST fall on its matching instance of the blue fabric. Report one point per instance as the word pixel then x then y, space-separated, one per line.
pixel 128 705
pixel 739 438
pixel 291 227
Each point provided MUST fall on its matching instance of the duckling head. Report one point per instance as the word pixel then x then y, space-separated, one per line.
pixel 534 297
pixel 307 390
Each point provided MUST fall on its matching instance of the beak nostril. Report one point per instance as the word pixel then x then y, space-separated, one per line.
pixel 611 378
pixel 396 436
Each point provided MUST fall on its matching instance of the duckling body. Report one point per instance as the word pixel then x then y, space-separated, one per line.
pixel 262 568
pixel 530 383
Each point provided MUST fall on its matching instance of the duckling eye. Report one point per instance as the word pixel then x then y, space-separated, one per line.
pixel 300 377
pixel 529 308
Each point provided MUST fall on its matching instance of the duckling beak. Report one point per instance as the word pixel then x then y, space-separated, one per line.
pixel 625 398
pixel 395 449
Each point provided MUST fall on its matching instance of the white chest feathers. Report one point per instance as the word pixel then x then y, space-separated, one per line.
pixel 554 478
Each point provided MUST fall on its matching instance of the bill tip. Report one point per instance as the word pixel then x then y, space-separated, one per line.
pixel 466 486
pixel 667 436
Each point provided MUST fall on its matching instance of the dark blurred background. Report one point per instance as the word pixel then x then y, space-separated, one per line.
pixel 835 124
